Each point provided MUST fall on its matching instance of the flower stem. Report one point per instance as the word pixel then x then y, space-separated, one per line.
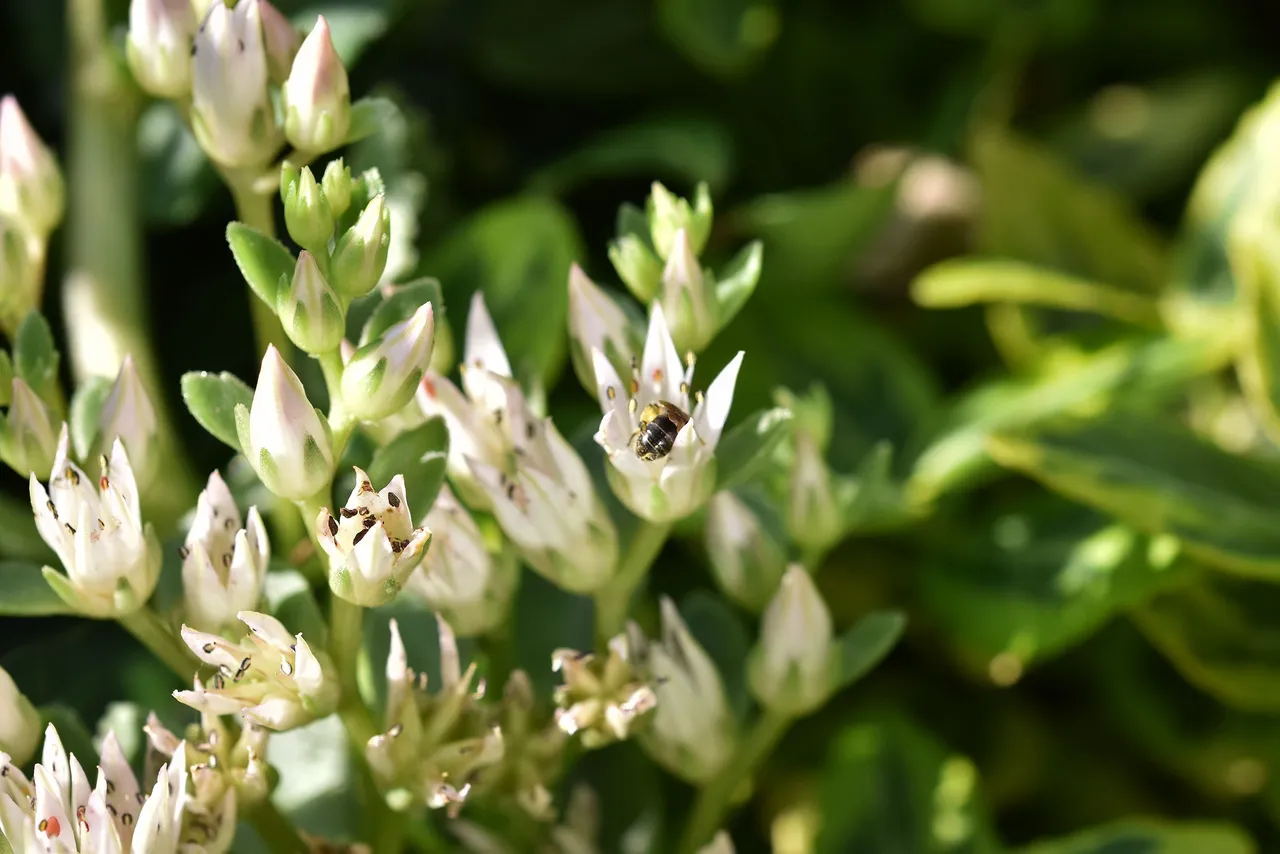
pixel 717 795
pixel 280 836
pixel 255 209
pixel 163 642
pixel 614 599
pixel 346 639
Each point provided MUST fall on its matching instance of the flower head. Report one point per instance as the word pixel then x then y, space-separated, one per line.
pixel 317 97
pixel 602 700
pixel 790 667
pixel 673 485
pixel 224 562
pixel 460 578
pixel 272 677
pixel 159 45
pixel 372 544
pixel 596 322
pixel 19 722
pixel 128 415
pixel 111 560
pixel 31 188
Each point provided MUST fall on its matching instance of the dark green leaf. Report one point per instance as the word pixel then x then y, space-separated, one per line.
pixel 263 261
pixel 75 736
pixel 35 356
pixel 401 302
pixel 1159 477
pixel 368 115
pixel 1150 837
pixel 25 593
pixel 744 451
pixel 722 37
pixel 317 787
pixel 721 633
pixel 418 454
pixel 175 178
pixel 289 599
pixel 86 407
pixel 866 644
pixel 877 500
pixel 737 281
pixel 212 400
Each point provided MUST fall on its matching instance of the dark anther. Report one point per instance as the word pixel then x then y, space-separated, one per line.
pixel 369 522
pixel 393 499
pixel 226 560
pixel 359 536
pixel 208 648
pixel 183 551
pixel 333 526
pixel 347 512
pixel 69 528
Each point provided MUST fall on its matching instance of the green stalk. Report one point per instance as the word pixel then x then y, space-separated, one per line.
pixel 279 834
pixel 613 602
pixel 163 642
pixel 716 796
pixel 103 294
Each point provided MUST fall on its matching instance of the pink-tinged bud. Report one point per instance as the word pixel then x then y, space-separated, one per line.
pixel 31 189
pixel 128 415
pixel 382 376
pixel 159 46
pixel 282 41
pixel 317 97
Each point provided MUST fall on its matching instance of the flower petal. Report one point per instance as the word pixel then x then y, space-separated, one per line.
pixel 661 370
pixel 715 410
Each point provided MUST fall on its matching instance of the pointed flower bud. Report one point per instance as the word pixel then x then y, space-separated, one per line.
pixel 306 212
pixel 19 723
pixel 95 527
pixel 693 733
pixel 231 111
pixel 361 253
pixel 637 266
pixel 813 510
pixel 317 98
pixel 383 375
pixel 687 298
pixel 596 322
pixel 721 843
pixel 224 562
pixel 790 667
pixel 337 185
pixel 372 544
pixel 28 441
pixel 286 440
pixel 127 415
pixel 309 310
pixel 746 547
pixel 274 678
pixel 670 214
pixel 661 449
pixel 31 189
pixel 460 578
pixel 159 46
pixel 602 700
pixel 20 284
pixel 281 40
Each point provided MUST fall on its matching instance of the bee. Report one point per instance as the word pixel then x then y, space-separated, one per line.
pixel 660 423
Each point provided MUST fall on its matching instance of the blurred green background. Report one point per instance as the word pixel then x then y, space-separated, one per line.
pixel 525 124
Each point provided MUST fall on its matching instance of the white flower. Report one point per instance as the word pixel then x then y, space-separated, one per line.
pixel 317 97
pixel 159 45
pixel 285 439
pixel 693 730
pixel 28 439
pixel 673 486
pixel 746 549
pixel 231 111
pixel 281 40
pixel 272 677
pixel 596 322
pixel 309 310
pixel 460 578
pixel 224 563
pixel 227 770
pixel 381 377
pixel 128 415
pixel 19 722
pixel 112 562
pixel 719 844
pixel 372 544
pixel 791 665
pixel 605 698
pixel 31 188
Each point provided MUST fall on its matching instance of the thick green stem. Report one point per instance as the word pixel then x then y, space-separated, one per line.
pixel 257 209
pixel 276 831
pixel 163 642
pixel 613 602
pixel 717 795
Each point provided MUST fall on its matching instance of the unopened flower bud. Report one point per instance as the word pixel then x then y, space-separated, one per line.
pixel 317 97
pixel 309 310
pixel 31 189
pixel 128 415
pixel 20 284
pixel 383 375
pixel 790 667
pixel 159 46
pixel 307 215
pixel 746 547
pixel 596 322
pixel 281 40
pixel 28 440
pixel 231 110
pixel 336 184
pixel 813 511
pixel 223 564
pixel 19 723
pixel 372 544
pixel 460 578
pixel 687 298
pixel 285 439
pixel 361 253
pixel 669 214
pixel 637 266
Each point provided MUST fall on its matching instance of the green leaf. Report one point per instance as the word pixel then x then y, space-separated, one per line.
pixel 866 644
pixel 175 179
pixel 317 787
pixel 35 356
pixel 418 454
pixel 889 786
pixel 264 261
pixel 86 407
pixel 744 451
pixel 518 252
pixel 876 500
pixel 737 281
pixel 1162 479
pixel 1255 263
pixel 400 303
pixel 1150 837
pixel 212 400
pixel 289 599
pixel 25 593
pixel 719 630
pixel 368 115
pixel 722 37
pixel 968 281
